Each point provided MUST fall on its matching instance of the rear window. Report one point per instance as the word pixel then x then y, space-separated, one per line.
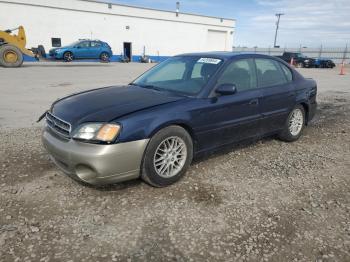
pixel 287 72
pixel 269 73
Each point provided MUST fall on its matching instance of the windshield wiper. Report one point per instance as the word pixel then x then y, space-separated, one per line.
pixel 159 89
pixel 149 86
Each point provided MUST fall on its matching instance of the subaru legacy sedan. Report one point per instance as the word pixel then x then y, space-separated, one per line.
pixel 183 107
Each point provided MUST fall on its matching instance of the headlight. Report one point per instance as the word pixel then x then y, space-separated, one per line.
pixel 307 60
pixel 98 132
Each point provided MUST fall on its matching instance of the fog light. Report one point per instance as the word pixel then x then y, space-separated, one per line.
pixel 85 173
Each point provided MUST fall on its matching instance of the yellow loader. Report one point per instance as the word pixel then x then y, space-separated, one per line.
pixel 12 47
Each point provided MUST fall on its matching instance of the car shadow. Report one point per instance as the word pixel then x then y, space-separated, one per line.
pixel 112 187
pixel 226 149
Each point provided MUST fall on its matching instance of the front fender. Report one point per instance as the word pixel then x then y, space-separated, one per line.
pixel 143 126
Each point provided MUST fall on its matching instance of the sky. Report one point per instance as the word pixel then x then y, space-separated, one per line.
pixel 306 23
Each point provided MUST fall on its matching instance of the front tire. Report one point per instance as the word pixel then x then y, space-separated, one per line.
pixel 294 125
pixel 68 57
pixel 167 157
pixel 10 56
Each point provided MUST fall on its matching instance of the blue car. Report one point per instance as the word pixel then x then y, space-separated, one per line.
pixel 185 106
pixel 83 49
pixel 324 63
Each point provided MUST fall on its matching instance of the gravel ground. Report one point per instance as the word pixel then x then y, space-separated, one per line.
pixel 262 201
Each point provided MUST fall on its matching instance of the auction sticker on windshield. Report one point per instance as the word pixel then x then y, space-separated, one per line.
pixel 209 60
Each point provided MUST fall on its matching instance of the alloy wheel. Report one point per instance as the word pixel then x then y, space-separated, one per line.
pixel 170 157
pixel 296 122
pixel 68 57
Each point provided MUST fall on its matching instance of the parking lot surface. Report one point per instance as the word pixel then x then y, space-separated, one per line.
pixel 263 201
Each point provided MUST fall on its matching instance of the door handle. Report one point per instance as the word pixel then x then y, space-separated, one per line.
pixel 254 102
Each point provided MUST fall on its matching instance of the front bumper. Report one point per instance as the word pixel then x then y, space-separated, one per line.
pixel 94 163
pixel 56 55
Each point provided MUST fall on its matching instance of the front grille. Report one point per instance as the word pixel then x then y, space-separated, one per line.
pixel 60 126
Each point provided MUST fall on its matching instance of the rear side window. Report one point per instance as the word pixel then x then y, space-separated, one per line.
pixel 96 44
pixel 287 72
pixel 240 73
pixel 269 73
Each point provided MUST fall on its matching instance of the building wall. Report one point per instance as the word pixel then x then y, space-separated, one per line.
pixel 160 32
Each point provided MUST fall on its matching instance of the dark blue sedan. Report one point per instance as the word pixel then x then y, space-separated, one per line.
pixel 83 49
pixel 185 106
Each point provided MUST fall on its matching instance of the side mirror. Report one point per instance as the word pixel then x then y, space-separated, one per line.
pixel 78 46
pixel 226 89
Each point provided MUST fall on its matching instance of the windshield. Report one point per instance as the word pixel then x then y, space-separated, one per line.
pixel 300 55
pixel 181 74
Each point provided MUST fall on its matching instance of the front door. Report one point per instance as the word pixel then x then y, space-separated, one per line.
pixel 232 118
pixel 82 50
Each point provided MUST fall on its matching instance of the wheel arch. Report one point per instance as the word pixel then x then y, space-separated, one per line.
pixel 68 51
pixel 182 124
pixel 306 109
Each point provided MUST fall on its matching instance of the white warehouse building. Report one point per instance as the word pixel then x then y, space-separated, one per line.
pixel 127 29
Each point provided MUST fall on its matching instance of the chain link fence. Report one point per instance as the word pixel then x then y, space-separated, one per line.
pixel 338 55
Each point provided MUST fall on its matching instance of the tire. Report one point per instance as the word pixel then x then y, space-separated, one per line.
pixel 10 56
pixel 291 132
pixel 104 57
pixel 174 165
pixel 68 56
pixel 299 65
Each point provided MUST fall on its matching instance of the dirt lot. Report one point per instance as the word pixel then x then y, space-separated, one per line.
pixel 263 201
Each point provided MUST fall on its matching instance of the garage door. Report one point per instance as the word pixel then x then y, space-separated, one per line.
pixel 216 40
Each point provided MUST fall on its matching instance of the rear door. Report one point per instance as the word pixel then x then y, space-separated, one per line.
pixel 95 49
pixel 278 93
pixel 230 118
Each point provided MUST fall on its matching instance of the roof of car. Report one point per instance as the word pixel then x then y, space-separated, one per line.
pixel 223 54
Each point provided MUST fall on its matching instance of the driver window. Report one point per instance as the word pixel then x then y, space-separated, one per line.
pixel 84 44
pixel 240 73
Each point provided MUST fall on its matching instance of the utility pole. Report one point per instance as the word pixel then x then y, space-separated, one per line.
pixel 277 25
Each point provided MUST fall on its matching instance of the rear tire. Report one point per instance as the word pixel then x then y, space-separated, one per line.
pixel 167 157
pixel 68 56
pixel 104 57
pixel 294 125
pixel 10 56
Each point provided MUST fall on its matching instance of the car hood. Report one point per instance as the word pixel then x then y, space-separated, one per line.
pixel 109 103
